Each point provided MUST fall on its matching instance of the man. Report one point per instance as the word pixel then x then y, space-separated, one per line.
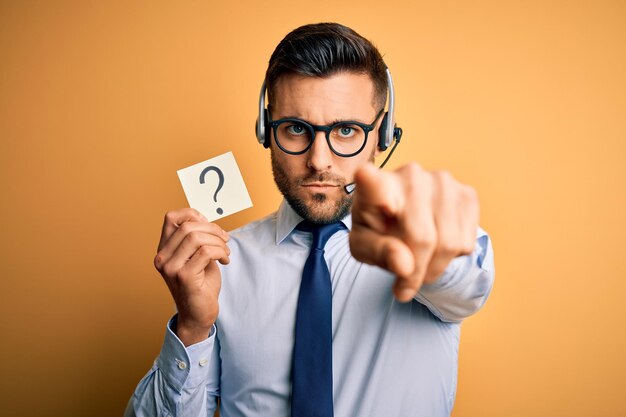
pixel 405 263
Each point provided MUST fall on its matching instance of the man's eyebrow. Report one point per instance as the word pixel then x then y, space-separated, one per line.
pixel 332 122
pixel 352 119
pixel 292 117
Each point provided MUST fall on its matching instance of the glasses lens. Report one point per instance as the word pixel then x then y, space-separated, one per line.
pixel 347 138
pixel 293 136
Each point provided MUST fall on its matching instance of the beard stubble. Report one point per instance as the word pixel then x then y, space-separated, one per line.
pixel 320 210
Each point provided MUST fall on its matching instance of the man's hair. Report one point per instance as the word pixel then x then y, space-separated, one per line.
pixel 325 49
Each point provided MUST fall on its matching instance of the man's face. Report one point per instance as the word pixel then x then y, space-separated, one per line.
pixel 313 182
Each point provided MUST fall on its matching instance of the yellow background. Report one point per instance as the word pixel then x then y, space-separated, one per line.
pixel 101 102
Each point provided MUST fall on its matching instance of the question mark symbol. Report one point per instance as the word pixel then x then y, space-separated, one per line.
pixel 219 186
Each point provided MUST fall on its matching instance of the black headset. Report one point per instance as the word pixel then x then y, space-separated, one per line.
pixel 386 135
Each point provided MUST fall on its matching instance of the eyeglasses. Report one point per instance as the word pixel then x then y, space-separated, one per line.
pixel 344 138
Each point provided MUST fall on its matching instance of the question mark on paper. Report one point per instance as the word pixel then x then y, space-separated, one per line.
pixel 220 175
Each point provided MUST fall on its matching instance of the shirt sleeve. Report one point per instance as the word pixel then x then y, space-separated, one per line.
pixel 464 286
pixel 183 382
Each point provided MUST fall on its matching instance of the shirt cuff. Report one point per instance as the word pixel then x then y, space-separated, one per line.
pixel 477 258
pixel 464 286
pixel 185 367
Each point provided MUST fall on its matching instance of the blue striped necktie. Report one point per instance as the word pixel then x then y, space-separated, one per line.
pixel 312 372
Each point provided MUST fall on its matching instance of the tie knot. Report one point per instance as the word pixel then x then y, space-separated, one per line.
pixel 321 232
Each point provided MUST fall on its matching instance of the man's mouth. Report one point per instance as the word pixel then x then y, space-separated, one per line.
pixel 320 185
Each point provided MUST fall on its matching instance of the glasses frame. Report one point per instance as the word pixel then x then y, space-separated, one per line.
pixel 323 128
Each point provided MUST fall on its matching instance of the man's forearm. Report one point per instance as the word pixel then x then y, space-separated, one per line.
pixel 182 381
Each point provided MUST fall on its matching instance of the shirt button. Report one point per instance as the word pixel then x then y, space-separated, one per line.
pixel 203 362
pixel 182 365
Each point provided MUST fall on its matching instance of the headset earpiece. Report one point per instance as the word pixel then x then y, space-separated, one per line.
pixel 263 134
pixel 261 126
pixel 382 133
pixel 264 138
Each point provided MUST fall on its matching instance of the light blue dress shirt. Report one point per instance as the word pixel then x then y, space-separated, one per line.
pixel 389 358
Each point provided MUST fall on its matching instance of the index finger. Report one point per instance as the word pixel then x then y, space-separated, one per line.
pixel 379 190
pixel 173 220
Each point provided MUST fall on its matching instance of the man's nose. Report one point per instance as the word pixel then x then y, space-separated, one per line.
pixel 319 156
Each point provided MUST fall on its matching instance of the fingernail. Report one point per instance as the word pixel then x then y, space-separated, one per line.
pixel 406 294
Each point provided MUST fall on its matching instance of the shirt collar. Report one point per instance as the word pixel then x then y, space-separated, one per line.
pixel 288 219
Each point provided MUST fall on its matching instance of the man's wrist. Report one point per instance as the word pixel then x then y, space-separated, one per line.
pixel 190 333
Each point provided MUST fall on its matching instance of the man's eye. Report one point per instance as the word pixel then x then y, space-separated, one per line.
pixel 346 131
pixel 296 130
